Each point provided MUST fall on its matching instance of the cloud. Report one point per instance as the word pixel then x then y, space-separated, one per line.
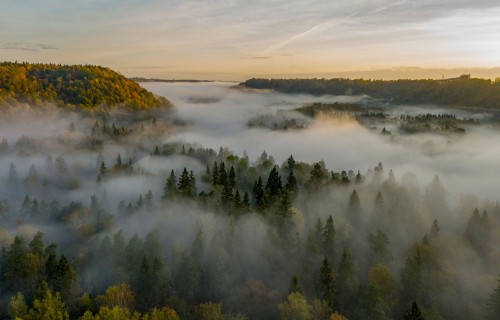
pixel 24 46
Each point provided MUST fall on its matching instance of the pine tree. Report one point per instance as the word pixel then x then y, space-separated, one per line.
pixel 192 185
pixel 51 264
pixel 118 164
pixel 435 229
pixel 215 174
pixel 294 285
pixel 15 265
pixel 273 184
pixel 222 174
pixel 237 200
pixel 143 286
pixel 412 279
pixel 369 304
pixel 12 175
pixel 493 306
pixel 291 182
pixel 413 313
pixel 347 283
pixel 354 208
pixel 184 184
pixel 328 239
pixel 258 192
pixel 246 200
pixel 291 163
pixel 326 284
pixel 103 170
pixel 379 205
pixel 61 166
pixel 170 188
pixel 148 199
pixel 36 245
pixel 232 177
pixel 226 195
pixel 317 175
pixel 378 246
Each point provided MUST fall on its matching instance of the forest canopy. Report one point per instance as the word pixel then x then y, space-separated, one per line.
pixel 462 91
pixel 83 86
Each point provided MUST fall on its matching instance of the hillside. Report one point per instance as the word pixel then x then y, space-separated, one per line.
pixel 83 86
pixel 452 92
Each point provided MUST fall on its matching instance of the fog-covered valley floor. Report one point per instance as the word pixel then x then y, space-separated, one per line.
pixel 198 210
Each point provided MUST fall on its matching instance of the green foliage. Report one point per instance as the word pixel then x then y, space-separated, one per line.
pixel 84 86
pixel 48 307
pixel 120 295
pixel 412 279
pixel 413 312
pixel 209 311
pixel 493 306
pixel 17 307
pixel 326 282
pixel 295 308
pixel 460 92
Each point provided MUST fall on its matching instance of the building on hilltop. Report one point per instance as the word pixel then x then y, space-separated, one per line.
pixel 461 77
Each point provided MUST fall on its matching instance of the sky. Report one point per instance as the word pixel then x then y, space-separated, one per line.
pixel 238 39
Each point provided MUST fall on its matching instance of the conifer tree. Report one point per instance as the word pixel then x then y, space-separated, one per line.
pixel 215 174
pixel 232 177
pixel 328 239
pixel 326 284
pixel 493 305
pixel 170 188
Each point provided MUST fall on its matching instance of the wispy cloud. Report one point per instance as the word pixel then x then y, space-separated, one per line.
pixel 24 46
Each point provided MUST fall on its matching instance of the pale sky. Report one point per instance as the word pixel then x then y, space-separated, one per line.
pixel 238 39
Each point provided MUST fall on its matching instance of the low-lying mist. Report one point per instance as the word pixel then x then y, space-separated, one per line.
pixel 465 164
pixel 200 206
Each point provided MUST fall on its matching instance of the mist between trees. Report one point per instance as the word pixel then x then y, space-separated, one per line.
pixel 110 218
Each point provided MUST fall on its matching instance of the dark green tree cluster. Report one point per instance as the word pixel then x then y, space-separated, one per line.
pixel 459 92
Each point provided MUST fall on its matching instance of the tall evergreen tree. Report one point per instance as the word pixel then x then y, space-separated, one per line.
pixel 103 170
pixel 493 306
pixel 273 184
pixel 354 209
pixel 12 178
pixel 347 284
pixel 222 174
pixel 231 178
pixel 412 279
pixel 192 185
pixel 328 239
pixel 326 282
pixel 413 313
pixel 258 192
pixel 170 188
pixel 215 174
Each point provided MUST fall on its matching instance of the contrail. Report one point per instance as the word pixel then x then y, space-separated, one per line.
pixel 394 4
pixel 325 25
pixel 320 26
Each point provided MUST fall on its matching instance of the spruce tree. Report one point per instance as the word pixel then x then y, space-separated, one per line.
pixel 413 313
pixel 170 188
pixel 493 306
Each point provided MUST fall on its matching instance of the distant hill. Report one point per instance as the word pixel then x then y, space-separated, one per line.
pixel 83 86
pixel 461 91
pixel 140 79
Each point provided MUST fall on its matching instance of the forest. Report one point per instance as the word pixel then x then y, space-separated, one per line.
pixel 82 86
pixel 110 217
pixel 265 240
pixel 471 92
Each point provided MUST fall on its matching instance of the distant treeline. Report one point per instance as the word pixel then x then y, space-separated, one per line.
pixel 83 86
pixel 140 79
pixel 459 92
